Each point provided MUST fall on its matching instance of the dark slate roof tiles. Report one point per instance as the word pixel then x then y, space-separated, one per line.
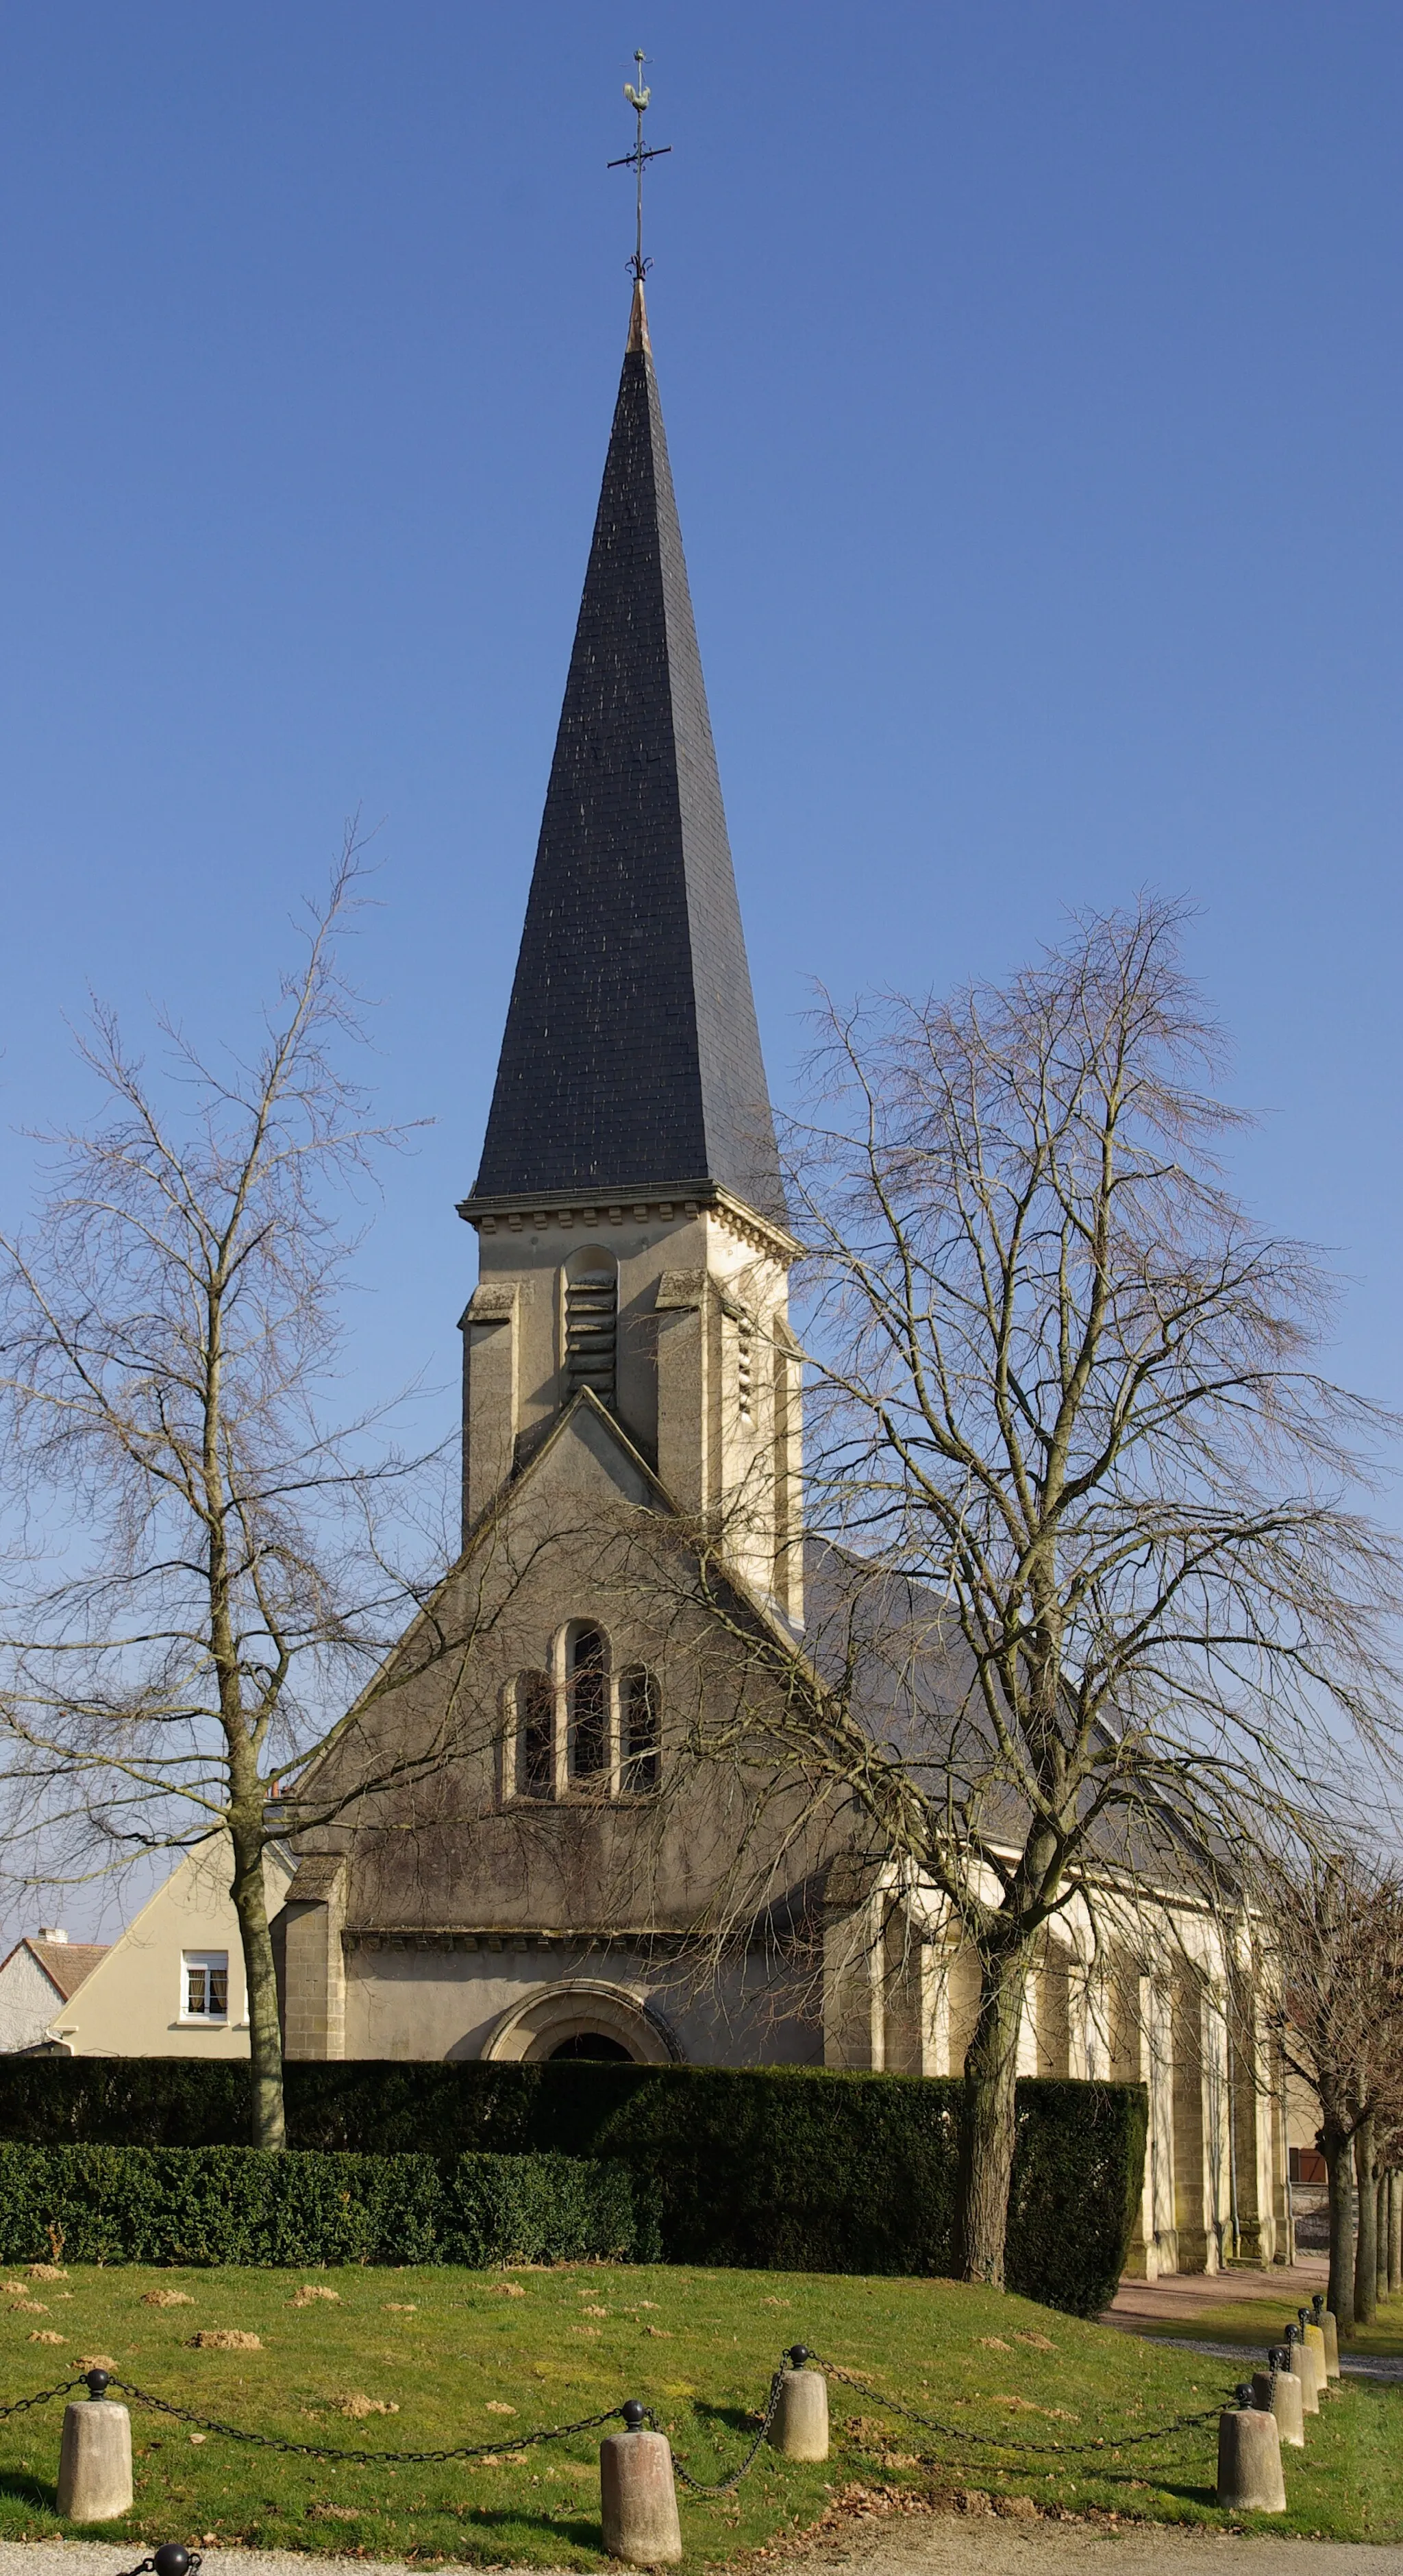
pixel 631 1059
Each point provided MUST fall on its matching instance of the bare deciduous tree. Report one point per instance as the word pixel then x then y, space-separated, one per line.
pixel 1069 1413
pixel 1338 1929
pixel 212 1568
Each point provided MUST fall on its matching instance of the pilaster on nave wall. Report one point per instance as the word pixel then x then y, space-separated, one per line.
pixel 1158 2003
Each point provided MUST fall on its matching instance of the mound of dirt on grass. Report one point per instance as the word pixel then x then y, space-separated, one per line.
pixel 226 2339
pixel 166 2299
pixel 309 2294
pixel 359 2406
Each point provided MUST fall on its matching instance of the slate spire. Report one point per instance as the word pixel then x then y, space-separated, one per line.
pixel 631 1060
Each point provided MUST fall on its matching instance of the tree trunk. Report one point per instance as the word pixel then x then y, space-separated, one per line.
pixel 987 2136
pixel 1395 2232
pixel 1340 2296
pixel 1381 2239
pixel 264 2029
pixel 1366 2250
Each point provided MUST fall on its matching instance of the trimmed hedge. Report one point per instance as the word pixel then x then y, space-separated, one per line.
pixel 786 2167
pixel 1078 2172
pixel 109 2204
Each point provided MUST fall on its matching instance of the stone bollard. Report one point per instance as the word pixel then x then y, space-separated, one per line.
pixel 1313 2337
pixel 95 2457
pixel 1303 2363
pixel 799 2425
pixel 1325 2319
pixel 1277 2391
pixel 1249 2459
pixel 637 2494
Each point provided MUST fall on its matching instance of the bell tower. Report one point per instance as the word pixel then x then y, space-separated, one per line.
pixel 634 1250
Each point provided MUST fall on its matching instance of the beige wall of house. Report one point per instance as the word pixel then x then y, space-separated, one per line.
pixel 160 1988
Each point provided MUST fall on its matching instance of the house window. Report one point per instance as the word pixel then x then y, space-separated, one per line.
pixel 591 1324
pixel 535 1736
pixel 204 1985
pixel 640 1732
pixel 589 1704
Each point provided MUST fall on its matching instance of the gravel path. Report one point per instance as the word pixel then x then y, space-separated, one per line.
pixel 987 2545
pixel 936 2544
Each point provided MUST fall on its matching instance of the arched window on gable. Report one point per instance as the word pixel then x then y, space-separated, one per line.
pixel 587 1690
pixel 534 1713
pixel 640 1733
pixel 590 1323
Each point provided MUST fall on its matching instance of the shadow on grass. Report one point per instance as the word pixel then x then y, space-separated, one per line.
pixel 18 2487
pixel 544 2526
pixel 737 2419
pixel 1205 2497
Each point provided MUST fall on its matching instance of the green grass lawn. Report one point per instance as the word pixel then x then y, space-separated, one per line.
pixel 412 2360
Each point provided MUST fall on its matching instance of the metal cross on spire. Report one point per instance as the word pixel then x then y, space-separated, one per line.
pixel 638 160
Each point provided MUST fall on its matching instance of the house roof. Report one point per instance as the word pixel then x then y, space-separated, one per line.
pixel 631 1060
pixel 65 1963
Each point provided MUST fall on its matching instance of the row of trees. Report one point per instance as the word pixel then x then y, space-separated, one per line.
pixel 1064 1398
pixel 1339 1933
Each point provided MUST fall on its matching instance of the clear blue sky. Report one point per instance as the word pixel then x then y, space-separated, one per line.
pixel 1032 380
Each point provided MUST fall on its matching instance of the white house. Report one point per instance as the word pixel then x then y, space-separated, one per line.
pixel 171 1985
pixel 37 1982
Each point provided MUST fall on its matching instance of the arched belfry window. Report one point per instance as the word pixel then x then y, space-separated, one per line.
pixel 583 1725
pixel 587 1690
pixel 534 1709
pixel 640 1732
pixel 590 1322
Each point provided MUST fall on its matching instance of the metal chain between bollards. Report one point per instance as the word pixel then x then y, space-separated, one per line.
pixel 630 2412
pixel 727 2486
pixel 964 2434
pixel 44 2397
pixel 338 2450
pixel 171 2559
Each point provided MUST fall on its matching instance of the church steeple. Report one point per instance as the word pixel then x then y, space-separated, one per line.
pixel 631 1061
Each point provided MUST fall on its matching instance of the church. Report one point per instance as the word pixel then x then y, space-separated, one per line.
pixel 541 1867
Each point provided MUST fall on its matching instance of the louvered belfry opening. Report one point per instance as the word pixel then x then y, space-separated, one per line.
pixel 592 1327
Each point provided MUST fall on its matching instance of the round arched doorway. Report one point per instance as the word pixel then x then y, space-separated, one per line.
pixel 582 2018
